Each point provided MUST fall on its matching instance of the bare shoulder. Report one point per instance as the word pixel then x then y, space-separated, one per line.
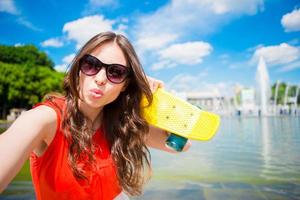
pixel 40 121
pixel 44 113
pixel 41 115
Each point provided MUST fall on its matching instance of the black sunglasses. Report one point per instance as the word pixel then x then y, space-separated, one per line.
pixel 115 73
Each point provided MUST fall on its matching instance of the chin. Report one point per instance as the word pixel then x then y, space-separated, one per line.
pixel 92 102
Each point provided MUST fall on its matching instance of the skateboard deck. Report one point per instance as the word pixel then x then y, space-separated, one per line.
pixel 179 117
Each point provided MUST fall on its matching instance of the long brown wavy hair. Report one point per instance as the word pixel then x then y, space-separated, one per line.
pixel 124 127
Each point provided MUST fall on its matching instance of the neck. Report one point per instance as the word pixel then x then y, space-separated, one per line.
pixel 93 114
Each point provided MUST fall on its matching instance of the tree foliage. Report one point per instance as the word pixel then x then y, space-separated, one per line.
pixel 281 92
pixel 26 75
pixel 27 54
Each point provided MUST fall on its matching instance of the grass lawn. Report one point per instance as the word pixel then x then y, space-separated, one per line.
pixel 3 121
pixel 2 130
pixel 24 174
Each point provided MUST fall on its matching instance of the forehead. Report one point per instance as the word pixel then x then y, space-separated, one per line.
pixel 109 53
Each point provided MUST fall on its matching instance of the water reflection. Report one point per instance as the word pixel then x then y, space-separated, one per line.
pixel 249 158
pixel 266 145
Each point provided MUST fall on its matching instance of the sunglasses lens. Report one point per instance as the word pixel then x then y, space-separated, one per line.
pixel 88 66
pixel 116 73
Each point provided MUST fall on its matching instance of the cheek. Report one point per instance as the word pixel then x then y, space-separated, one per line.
pixel 115 91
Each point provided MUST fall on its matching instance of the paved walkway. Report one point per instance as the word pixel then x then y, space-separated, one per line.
pixel 225 191
pixel 190 191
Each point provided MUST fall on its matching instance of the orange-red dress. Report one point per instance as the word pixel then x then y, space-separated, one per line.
pixel 53 178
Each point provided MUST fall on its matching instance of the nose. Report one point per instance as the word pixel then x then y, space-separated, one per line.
pixel 101 78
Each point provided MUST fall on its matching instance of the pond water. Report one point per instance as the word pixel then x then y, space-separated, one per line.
pixel 249 158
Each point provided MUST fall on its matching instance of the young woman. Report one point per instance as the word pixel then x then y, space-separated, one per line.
pixel 90 143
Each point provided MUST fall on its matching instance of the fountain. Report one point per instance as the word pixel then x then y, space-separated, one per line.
pixel 276 92
pixel 296 101
pixel 276 97
pixel 294 106
pixel 263 89
pixel 296 96
pixel 285 109
pixel 286 95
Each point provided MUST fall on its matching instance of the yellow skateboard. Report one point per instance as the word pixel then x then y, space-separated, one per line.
pixel 182 119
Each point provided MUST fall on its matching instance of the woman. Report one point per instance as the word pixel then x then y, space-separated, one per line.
pixel 92 142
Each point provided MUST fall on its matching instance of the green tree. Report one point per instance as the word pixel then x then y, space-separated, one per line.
pixel 281 92
pixel 27 54
pixel 22 86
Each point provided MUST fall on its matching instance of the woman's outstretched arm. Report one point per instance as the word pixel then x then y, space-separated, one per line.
pixel 21 138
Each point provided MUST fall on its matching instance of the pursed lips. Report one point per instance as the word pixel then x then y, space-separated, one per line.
pixel 96 91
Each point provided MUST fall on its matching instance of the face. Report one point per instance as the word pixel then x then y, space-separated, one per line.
pixel 96 90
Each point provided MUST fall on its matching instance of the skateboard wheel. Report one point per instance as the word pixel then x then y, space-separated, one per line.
pixel 176 142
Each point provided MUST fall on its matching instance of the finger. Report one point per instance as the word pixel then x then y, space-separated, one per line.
pixel 161 84
pixel 155 85
pixel 152 85
pixel 187 146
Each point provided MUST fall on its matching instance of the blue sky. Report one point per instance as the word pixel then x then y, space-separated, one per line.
pixel 194 45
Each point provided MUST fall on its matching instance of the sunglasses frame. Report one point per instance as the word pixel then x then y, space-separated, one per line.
pixel 98 64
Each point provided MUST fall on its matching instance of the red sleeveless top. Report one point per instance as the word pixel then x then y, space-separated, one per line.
pixel 53 177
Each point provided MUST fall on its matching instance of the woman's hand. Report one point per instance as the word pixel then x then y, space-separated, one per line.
pixel 154 83
pixel 157 139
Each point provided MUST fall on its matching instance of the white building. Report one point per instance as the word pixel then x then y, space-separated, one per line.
pixel 247 102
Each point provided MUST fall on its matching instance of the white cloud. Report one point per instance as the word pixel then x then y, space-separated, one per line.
pixel 291 21
pixel 80 31
pixel 163 64
pixel 28 24
pixel 83 29
pixel 182 82
pixel 234 6
pixel 197 83
pixel 68 59
pixel 156 42
pixel 124 20
pixel 103 3
pixel 181 18
pixel 277 55
pixel 52 42
pixel 252 49
pixel 19 44
pixel 8 6
pixel 61 68
pixel 188 53
pixel 121 29
pixel 66 62
pixel 290 67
